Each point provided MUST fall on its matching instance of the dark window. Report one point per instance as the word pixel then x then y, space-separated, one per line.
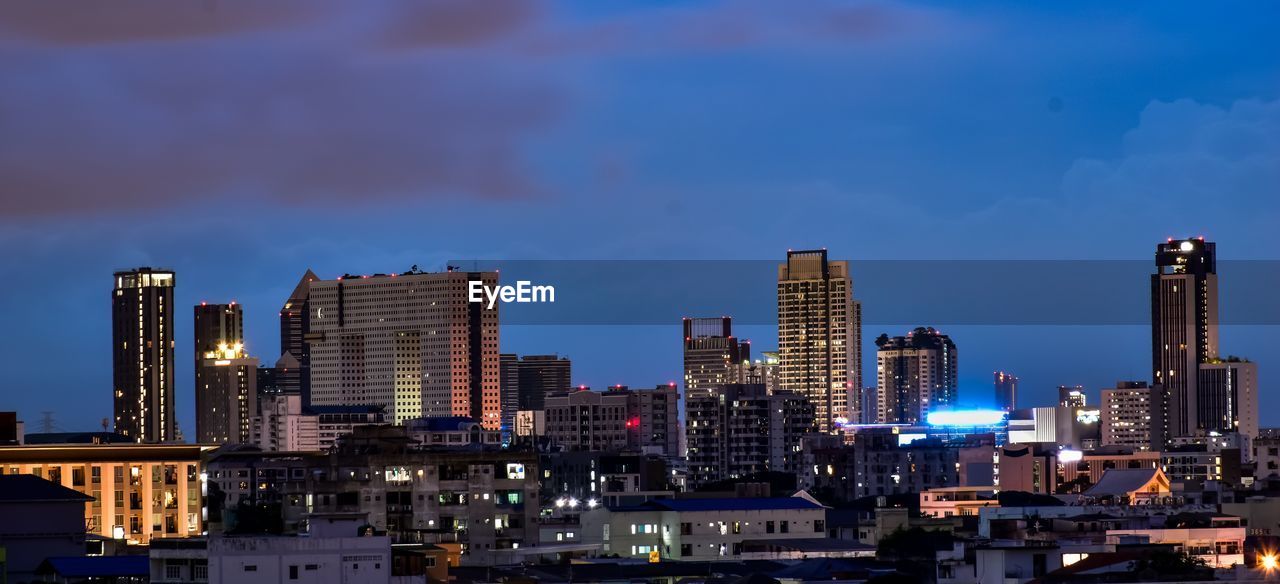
pixel 293 572
pixel 251 568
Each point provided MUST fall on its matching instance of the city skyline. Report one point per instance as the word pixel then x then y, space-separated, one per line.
pixel 979 141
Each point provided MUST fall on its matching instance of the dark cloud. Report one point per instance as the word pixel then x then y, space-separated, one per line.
pixel 458 22
pixel 78 23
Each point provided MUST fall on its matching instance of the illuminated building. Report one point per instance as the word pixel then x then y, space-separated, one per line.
pixel 819 335
pixel 957 424
pixel 915 375
pixel 713 357
pixel 735 431
pixel 226 378
pixel 614 420
pixel 140 491
pixel 1228 400
pixel 1072 396
pixel 763 371
pixel 411 342
pixel 1131 416
pixel 142 354
pixel 1006 386
pixel 1184 328
pixel 479 497
pixel 880 462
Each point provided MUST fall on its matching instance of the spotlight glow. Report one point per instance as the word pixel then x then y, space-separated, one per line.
pixel 966 418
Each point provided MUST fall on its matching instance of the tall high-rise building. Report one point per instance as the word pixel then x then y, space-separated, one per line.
pixel 819 335
pixel 142 354
pixel 915 375
pixel 712 355
pixel 410 342
pixel 293 339
pixel 1184 328
pixel 1131 416
pixel 735 431
pixel 226 377
pixel 1072 396
pixel 1228 400
pixel 1006 386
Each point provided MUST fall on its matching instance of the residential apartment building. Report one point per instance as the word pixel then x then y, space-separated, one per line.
pixel 713 357
pixel 735 431
pixel 820 336
pixel 703 529
pixel 1131 414
pixel 142 325
pixel 616 419
pixel 915 375
pixel 484 500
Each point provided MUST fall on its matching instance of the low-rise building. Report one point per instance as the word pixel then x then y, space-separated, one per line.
pixel 956 501
pixel 703 529
pixel 139 491
pixel 483 499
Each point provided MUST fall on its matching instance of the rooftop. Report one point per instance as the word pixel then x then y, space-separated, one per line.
pixel 726 504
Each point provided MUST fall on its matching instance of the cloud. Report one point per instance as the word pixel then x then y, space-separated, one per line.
pixel 96 119
pixel 1190 161
pixel 63 22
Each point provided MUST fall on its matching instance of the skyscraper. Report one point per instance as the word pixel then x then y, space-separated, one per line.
pixel 915 375
pixel 1184 327
pixel 712 355
pixel 411 342
pixel 819 334
pixel 293 340
pixel 1006 385
pixel 226 377
pixel 142 354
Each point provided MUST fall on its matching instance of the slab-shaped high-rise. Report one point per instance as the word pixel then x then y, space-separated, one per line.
pixel 142 354
pixel 1184 328
pixel 820 336
pixel 411 342
pixel 226 377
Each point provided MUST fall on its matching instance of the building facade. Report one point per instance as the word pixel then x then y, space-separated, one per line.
pixel 1184 327
pixel 294 323
pixel 139 491
pixel 736 431
pixel 484 500
pixel 142 326
pixel 1228 401
pixel 1131 416
pixel 226 377
pixel 713 357
pixel 819 335
pixel 614 420
pixel 915 374
pixel 411 342
pixel 283 424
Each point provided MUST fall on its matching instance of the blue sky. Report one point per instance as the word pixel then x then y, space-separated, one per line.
pixel 242 143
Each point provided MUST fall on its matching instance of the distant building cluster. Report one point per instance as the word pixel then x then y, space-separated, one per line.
pixel 392 440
